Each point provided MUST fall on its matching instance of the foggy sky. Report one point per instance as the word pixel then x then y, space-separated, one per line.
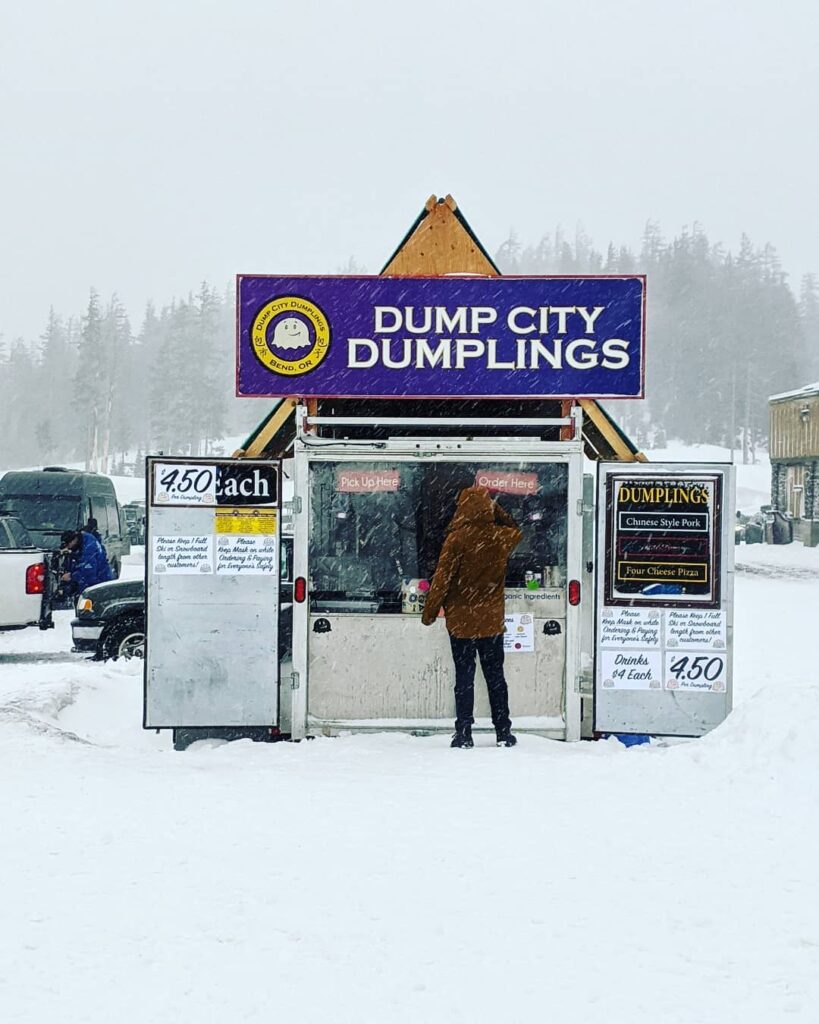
pixel 147 146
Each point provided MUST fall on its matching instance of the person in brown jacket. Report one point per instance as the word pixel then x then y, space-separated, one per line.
pixel 469 585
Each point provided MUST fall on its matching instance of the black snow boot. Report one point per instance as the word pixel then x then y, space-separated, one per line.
pixel 462 737
pixel 505 738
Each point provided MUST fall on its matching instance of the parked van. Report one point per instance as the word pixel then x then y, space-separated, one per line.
pixel 135 520
pixel 53 499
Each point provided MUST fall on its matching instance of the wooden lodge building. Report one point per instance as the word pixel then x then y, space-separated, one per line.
pixel 794 450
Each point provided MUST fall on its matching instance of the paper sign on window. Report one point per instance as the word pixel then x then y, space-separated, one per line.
pixel 367 481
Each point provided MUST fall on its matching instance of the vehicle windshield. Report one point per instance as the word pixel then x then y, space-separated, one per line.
pixel 42 512
pixel 14 535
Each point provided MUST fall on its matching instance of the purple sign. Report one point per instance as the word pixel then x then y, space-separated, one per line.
pixel 440 337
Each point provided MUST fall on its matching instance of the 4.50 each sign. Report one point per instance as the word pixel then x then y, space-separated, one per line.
pixel 695 671
pixel 205 484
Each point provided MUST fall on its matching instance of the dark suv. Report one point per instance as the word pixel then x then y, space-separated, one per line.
pixel 54 499
pixel 110 620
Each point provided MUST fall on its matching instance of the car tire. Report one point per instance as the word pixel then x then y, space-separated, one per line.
pixel 124 639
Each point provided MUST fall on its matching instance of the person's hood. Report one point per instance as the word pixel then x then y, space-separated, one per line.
pixel 88 543
pixel 474 508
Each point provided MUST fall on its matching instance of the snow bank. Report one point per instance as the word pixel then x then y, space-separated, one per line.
pixel 389 878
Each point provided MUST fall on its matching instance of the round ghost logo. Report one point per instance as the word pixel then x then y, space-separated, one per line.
pixel 290 335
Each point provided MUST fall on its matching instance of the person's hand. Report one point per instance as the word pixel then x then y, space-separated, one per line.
pixel 66 577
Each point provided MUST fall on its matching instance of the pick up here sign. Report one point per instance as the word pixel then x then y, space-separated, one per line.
pixel 442 337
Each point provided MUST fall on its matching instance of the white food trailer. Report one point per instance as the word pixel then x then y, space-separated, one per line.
pixel 370 518
pixel 395 393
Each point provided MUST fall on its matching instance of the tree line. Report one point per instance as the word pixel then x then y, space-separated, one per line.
pixel 724 331
pixel 93 390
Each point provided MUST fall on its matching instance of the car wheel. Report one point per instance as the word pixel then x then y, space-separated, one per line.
pixel 124 639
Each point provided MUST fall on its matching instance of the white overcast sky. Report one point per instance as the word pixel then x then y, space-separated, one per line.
pixel 147 146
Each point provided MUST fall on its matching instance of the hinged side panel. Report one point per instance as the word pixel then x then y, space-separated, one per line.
pixel 212 577
pixel 664 615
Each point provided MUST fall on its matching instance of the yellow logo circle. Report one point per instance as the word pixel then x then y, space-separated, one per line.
pixel 290 335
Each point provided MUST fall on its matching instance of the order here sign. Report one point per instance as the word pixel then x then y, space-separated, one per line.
pixel 382 337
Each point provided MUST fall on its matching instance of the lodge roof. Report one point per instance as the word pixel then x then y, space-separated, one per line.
pixel 806 392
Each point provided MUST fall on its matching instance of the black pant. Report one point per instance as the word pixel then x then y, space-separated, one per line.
pixel 490 650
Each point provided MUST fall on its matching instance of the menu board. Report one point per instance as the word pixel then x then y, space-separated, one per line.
pixel 519 634
pixel 664 598
pixel 663 540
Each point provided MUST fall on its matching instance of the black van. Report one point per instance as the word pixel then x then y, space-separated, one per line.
pixel 54 499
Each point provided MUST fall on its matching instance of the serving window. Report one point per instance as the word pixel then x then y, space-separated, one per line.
pixel 375 527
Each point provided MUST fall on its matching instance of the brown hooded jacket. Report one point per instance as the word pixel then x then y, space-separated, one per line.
pixel 469 579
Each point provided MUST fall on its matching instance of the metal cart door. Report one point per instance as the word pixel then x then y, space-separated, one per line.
pixel 664 610
pixel 212 579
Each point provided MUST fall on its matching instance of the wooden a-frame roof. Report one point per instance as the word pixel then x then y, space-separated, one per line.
pixel 441 242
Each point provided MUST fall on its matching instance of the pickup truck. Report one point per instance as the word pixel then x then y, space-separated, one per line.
pixel 25 581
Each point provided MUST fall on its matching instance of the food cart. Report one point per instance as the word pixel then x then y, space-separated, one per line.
pixel 370 518
pixel 395 393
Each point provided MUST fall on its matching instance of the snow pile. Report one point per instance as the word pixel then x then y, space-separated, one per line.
pixel 792 560
pixel 388 878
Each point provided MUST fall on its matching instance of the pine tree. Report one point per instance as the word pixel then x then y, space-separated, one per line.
pixel 57 368
pixel 211 369
pixel 115 367
pixel 809 320
pixel 89 387
pixel 44 435
pixel 17 435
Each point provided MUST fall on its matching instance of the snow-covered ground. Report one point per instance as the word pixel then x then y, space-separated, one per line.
pixel 388 878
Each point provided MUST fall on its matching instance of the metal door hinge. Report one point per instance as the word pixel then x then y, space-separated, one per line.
pixel 294 505
pixel 581 508
pixel 295 682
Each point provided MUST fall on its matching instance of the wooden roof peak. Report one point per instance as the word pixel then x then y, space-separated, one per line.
pixel 440 242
